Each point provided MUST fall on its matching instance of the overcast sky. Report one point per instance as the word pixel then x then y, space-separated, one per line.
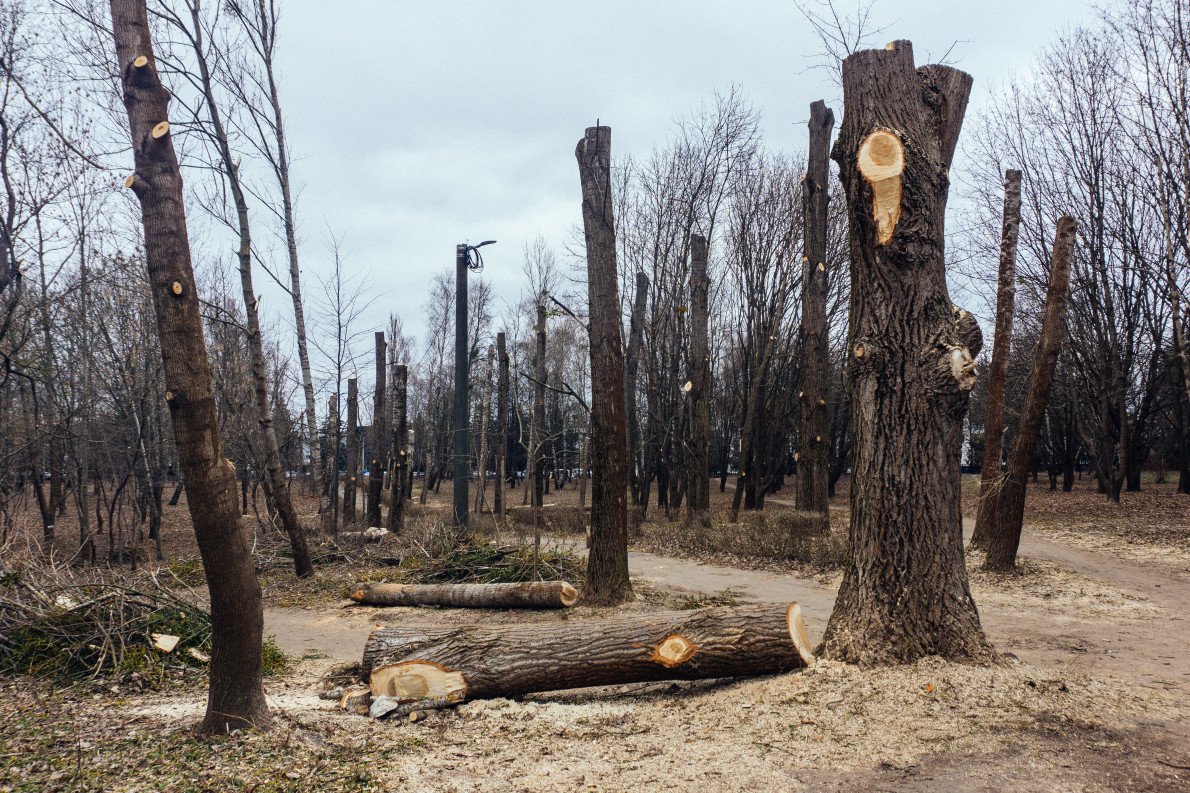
pixel 418 125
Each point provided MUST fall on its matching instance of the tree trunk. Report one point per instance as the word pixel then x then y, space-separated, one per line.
pixel 400 450
pixel 501 425
pixel 813 439
pixel 636 338
pixel 526 595
pixel 379 437
pixel 511 660
pixel 537 433
pixel 607 561
pixel 1010 513
pixel 236 695
pixel 993 427
pixel 904 593
pixel 698 500
pixel 353 452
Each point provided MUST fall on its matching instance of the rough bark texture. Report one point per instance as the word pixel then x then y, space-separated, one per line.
pixel 993 426
pixel 379 440
pixel 1004 540
pixel 527 595
pixel 353 451
pixel 607 561
pixel 904 594
pixel 400 451
pixel 537 431
pixel 502 384
pixel 236 696
pixel 510 660
pixel 698 499
pixel 813 440
pixel 460 428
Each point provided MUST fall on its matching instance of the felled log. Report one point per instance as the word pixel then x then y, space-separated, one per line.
pixel 412 664
pixel 529 595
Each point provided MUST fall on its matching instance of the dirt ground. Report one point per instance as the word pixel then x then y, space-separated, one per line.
pixel 1093 692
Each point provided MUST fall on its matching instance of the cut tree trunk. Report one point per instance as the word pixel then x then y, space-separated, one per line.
pixel 813 439
pixel 904 593
pixel 1004 540
pixel 501 445
pixel 607 562
pixel 467 662
pixel 698 503
pixel 236 696
pixel 400 451
pixel 529 595
pixel 349 486
pixel 993 427
pixel 376 461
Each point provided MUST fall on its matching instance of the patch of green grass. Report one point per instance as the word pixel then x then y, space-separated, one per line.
pixel 273 659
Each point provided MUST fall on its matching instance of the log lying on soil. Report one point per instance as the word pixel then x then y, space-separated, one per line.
pixel 467 662
pixel 529 595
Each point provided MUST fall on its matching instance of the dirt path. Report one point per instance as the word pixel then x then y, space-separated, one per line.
pixel 1127 620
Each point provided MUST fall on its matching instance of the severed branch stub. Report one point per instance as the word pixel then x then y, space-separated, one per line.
pixel 881 160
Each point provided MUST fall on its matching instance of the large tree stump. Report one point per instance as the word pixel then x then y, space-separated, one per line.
pixel 904 594
pixel 472 662
pixel 528 595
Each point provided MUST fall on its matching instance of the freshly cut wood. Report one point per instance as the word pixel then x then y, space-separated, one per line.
pixel 165 642
pixel 473 662
pixel 529 595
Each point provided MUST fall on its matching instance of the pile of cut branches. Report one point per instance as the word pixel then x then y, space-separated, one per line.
pixel 68 631
pixel 480 562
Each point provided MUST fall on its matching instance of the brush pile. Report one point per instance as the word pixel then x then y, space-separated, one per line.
pixel 57 628
pixel 480 562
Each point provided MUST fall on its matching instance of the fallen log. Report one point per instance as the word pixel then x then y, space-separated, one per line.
pixel 529 595
pixel 412 664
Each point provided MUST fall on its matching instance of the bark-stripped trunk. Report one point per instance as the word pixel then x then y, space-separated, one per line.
pixel 698 499
pixel 501 425
pixel 353 451
pixel 236 696
pixel 1004 540
pixel 525 595
pixel 607 561
pixel 511 660
pixel 379 439
pixel 400 452
pixel 904 594
pixel 993 427
pixel 636 339
pixel 813 439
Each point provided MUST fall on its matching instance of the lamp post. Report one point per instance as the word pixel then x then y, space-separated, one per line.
pixel 467 258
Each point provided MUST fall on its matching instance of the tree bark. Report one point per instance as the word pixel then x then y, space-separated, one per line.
pixel 537 433
pixel 511 660
pixel 698 499
pixel 904 593
pixel 1010 511
pixel 813 439
pixel 379 437
pixel 607 561
pixel 236 694
pixel 353 452
pixel 526 595
pixel 993 427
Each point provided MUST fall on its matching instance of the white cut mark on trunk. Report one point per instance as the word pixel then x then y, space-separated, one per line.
pixel 673 650
pixel 411 681
pixel 881 161
pixel 962 366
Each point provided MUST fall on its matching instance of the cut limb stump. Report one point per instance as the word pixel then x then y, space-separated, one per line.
pixel 530 595
pixel 470 662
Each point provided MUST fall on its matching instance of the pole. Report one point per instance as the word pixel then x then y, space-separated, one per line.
pixel 461 429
